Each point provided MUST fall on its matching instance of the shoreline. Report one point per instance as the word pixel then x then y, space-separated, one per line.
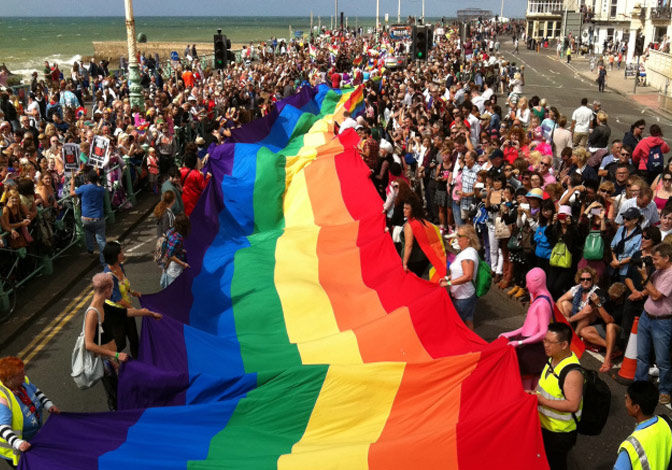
pixel 113 50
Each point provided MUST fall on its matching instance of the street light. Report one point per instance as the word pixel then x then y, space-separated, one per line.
pixel 136 98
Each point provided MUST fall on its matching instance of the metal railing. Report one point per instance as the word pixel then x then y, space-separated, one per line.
pixel 64 231
pixel 661 13
pixel 549 7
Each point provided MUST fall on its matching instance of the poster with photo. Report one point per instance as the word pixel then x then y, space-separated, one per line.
pixel 99 151
pixel 70 154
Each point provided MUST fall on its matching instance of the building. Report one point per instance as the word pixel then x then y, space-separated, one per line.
pixel 469 14
pixel 544 18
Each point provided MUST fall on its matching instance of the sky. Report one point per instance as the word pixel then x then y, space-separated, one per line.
pixel 435 8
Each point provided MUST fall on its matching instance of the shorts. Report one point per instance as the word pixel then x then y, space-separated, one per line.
pixel 601 330
pixel 466 307
pixel 441 199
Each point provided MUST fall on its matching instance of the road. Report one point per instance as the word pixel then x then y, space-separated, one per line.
pixel 47 343
pixel 562 87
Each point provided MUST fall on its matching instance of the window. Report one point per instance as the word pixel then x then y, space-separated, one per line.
pixel 614 8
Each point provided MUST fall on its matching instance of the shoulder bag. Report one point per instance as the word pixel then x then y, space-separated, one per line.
pixel 87 368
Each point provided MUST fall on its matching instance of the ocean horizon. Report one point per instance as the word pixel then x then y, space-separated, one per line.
pixel 26 42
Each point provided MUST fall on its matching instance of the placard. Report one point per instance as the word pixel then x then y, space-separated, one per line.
pixel 99 150
pixel 70 154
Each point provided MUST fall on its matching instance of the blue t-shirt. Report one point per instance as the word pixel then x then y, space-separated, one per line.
pixel 623 460
pixel 92 197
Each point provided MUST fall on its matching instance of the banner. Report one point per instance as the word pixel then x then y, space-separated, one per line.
pixel 99 154
pixel 70 155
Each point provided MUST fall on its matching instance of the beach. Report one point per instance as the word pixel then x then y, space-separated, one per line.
pixel 25 43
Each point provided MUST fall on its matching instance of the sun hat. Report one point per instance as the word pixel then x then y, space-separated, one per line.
pixel 565 210
pixel 535 192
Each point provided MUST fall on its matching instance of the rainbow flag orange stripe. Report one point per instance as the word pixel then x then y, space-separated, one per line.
pixel 296 340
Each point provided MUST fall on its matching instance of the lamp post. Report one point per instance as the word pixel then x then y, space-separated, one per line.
pixel 137 100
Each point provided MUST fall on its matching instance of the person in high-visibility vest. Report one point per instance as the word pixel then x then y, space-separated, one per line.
pixel 559 409
pixel 21 406
pixel 650 444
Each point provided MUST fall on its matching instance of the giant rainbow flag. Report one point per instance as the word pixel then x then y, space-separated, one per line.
pixel 296 340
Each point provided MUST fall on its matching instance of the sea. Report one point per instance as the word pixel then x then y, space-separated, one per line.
pixel 26 42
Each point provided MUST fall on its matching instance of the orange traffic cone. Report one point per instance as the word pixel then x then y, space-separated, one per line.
pixel 627 370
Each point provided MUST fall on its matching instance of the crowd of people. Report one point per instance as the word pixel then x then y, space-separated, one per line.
pixel 452 140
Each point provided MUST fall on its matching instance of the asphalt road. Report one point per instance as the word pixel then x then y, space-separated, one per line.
pixel 48 341
pixel 563 87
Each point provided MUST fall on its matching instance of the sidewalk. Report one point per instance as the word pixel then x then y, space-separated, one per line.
pixel 41 293
pixel 647 96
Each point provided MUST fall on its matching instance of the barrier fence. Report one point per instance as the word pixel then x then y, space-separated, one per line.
pixel 55 231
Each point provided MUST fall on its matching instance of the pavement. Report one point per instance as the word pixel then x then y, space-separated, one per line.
pixel 617 82
pixel 42 292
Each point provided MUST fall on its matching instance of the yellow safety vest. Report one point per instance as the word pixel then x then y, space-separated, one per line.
pixel 548 387
pixel 649 448
pixel 6 450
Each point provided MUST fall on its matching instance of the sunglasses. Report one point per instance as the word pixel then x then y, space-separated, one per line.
pixel 544 164
pixel 586 279
pixel 645 237
pixel 667 179
pixel 625 154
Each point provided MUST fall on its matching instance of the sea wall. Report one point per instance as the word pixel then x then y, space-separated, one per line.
pixel 112 50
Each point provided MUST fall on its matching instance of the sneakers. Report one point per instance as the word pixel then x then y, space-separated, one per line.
pixel 653 371
pixel 664 399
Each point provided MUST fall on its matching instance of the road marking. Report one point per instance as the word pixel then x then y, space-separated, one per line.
pixel 45 337
pixel 132 249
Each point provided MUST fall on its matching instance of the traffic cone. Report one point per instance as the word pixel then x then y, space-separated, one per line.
pixel 627 371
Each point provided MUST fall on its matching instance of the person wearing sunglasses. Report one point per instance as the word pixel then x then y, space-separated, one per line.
pixel 662 189
pixel 635 134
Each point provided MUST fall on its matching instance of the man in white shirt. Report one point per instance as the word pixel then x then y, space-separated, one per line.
pixel 581 118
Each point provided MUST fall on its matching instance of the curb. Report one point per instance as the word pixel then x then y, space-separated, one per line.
pixel 19 327
pixel 660 112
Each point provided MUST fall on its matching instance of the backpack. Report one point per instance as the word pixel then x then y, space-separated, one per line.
pixel 160 251
pixel 656 160
pixel 596 400
pixel 593 248
pixel 543 246
pixel 483 278
pixel 561 257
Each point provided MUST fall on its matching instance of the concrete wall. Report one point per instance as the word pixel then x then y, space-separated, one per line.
pixel 659 71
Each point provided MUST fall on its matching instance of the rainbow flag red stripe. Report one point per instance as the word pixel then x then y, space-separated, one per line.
pixel 296 340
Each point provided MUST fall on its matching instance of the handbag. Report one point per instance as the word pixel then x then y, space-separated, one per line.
pixel 521 240
pixel 561 257
pixel 593 248
pixel 87 368
pixel 502 230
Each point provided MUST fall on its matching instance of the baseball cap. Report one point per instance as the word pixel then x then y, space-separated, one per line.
pixel 632 213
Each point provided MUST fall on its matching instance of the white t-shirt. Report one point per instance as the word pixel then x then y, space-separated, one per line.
pixel 582 115
pixel 466 290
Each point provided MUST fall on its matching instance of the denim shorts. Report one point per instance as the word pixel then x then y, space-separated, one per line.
pixel 466 307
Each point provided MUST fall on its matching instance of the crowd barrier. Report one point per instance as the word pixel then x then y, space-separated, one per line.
pixel 55 231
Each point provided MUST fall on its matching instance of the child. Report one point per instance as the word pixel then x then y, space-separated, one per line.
pixel 153 169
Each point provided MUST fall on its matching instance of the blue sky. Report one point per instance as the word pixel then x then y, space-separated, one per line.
pixel 248 7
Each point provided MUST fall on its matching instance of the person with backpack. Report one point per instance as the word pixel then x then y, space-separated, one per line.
pixel 559 405
pixel 463 272
pixel 650 444
pixel 649 155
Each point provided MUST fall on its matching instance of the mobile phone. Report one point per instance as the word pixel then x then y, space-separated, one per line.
pixel 596 210
pixel 525 206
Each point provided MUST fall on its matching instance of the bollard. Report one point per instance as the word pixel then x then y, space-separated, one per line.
pixel 109 213
pixel 128 180
pixel 47 265
pixel 79 228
